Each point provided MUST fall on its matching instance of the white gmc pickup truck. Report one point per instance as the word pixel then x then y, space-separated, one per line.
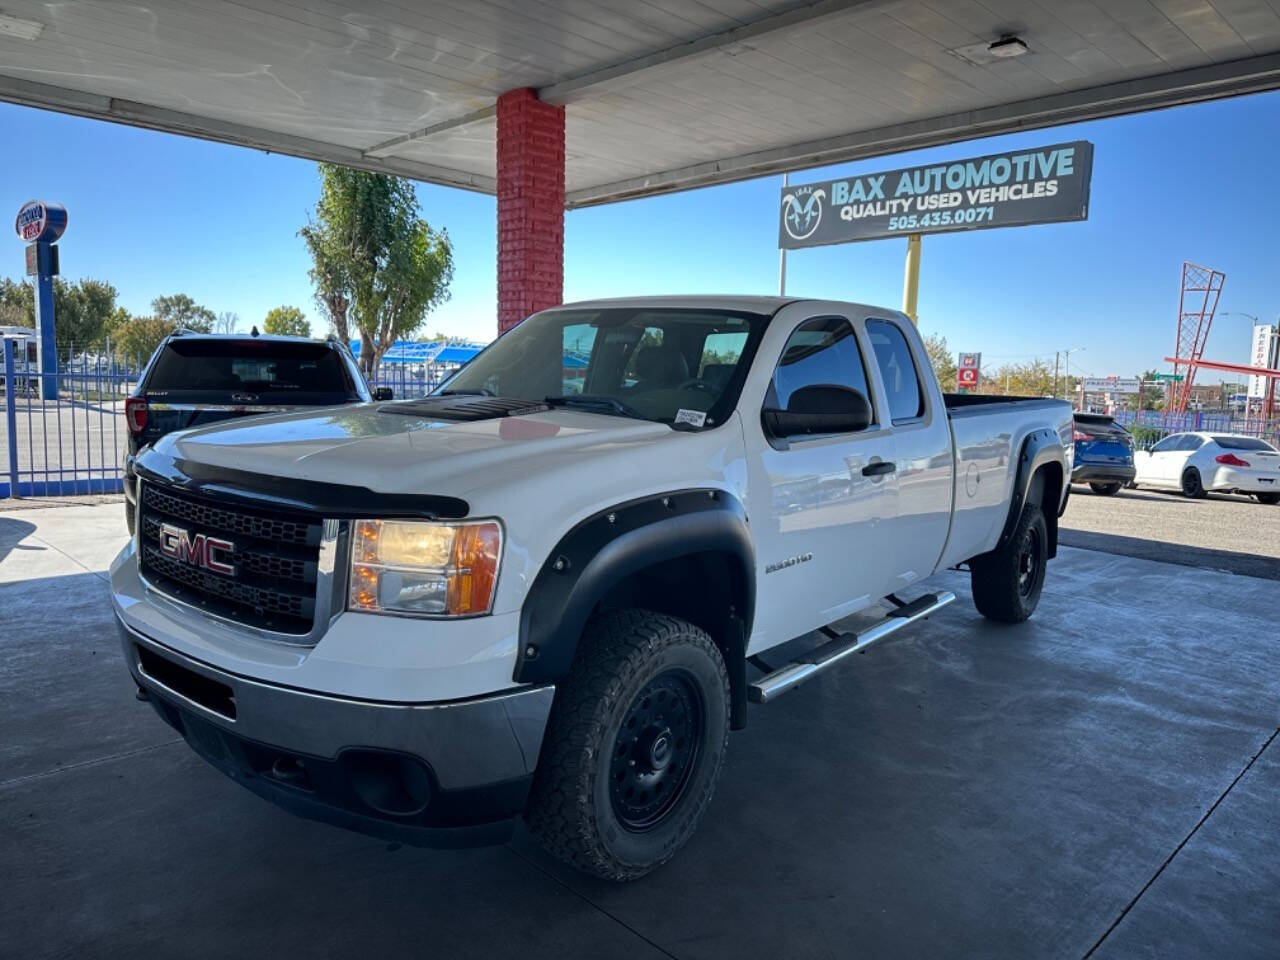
pixel 537 592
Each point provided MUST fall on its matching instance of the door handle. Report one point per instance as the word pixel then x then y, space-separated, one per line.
pixel 879 468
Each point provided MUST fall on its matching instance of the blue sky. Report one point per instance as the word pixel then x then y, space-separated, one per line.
pixel 158 214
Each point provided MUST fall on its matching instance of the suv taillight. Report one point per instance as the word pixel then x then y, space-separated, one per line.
pixel 135 413
pixel 1231 460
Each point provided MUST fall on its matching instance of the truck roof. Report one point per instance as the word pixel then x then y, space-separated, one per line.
pixel 744 304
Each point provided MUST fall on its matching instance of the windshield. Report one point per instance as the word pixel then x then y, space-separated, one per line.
pixel 298 372
pixel 674 366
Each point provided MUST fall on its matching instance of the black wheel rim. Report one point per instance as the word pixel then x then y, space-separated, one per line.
pixel 656 750
pixel 1029 563
pixel 1191 483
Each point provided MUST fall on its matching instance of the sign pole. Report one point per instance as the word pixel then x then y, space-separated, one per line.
pixel 46 345
pixel 40 225
pixel 911 278
pixel 782 251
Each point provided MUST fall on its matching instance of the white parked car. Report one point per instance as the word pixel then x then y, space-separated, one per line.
pixel 1197 463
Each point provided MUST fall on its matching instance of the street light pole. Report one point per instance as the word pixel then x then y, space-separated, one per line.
pixel 782 253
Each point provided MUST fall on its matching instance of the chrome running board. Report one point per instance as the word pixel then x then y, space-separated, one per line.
pixel 842 645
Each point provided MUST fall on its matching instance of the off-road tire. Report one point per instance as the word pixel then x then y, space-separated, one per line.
pixel 1105 489
pixel 1003 589
pixel 1270 499
pixel 1192 485
pixel 572 809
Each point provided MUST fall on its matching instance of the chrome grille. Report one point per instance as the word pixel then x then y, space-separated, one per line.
pixel 275 555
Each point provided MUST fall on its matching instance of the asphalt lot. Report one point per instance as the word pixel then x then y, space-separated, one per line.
pixel 1102 781
pixel 1222 531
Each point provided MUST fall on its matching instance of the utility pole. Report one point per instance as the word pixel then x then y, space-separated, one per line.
pixel 782 252
pixel 1055 373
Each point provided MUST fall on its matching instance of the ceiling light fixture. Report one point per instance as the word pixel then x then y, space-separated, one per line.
pixel 22 29
pixel 1008 46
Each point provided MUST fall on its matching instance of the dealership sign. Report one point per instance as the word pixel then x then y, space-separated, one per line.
pixel 40 222
pixel 1019 187
pixel 1111 385
pixel 1262 354
pixel 969 372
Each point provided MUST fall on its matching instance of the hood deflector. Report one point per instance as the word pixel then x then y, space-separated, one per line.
pixel 464 408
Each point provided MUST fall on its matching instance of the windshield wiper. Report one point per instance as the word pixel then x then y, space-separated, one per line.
pixel 477 392
pixel 589 401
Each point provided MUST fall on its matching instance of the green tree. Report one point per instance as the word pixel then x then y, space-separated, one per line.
pixel 376 262
pixel 181 311
pixel 81 310
pixel 136 338
pixel 943 360
pixel 287 321
pixel 17 303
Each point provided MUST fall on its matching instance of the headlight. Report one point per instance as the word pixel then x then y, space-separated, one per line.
pixel 424 568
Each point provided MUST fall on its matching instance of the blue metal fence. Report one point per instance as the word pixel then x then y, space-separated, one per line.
pixel 74 444
pixel 1198 420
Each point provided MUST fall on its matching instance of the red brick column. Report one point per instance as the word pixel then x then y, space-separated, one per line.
pixel 530 206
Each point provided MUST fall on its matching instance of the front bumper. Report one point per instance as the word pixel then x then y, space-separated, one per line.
pixel 429 774
pixel 1103 473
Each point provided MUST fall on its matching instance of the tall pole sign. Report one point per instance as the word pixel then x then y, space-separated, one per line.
pixel 1016 188
pixel 39 225
pixel 968 373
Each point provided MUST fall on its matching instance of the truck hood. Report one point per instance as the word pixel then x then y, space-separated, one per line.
pixel 392 448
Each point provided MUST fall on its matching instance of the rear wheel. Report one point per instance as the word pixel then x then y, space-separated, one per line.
pixel 634 746
pixel 1268 498
pixel 1105 489
pixel 1007 582
pixel 1192 486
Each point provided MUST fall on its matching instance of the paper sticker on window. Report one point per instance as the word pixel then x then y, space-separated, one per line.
pixel 695 418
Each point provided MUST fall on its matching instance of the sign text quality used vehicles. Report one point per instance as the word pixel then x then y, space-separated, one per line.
pixel 1000 190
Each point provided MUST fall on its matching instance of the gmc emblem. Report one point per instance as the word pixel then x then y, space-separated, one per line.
pixel 200 550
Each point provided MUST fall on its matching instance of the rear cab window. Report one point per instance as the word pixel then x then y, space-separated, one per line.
pixel 897 370
pixel 1244 443
pixel 265 370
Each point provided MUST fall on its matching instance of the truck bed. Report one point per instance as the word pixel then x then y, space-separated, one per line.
pixel 988 433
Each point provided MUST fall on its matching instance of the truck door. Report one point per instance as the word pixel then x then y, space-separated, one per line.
pixel 914 538
pixel 817 501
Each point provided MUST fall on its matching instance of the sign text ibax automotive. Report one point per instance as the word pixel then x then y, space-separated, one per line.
pixel 1020 187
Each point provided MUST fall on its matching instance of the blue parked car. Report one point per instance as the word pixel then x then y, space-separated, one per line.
pixel 1104 454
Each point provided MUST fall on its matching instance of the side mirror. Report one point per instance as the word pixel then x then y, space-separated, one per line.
pixel 819 409
pixel 382 393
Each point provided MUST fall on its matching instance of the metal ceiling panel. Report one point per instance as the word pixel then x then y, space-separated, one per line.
pixel 660 94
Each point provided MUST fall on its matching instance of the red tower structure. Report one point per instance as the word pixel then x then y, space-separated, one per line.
pixel 1201 288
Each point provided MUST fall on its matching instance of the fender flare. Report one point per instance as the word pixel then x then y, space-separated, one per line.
pixel 606 548
pixel 1041 447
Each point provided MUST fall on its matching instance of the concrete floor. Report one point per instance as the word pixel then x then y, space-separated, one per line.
pixel 1101 781
pixel 1223 531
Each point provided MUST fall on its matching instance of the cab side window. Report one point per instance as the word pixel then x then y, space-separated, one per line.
pixel 897 370
pixel 820 352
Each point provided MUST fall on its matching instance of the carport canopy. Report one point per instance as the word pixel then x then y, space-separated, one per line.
pixel 618 98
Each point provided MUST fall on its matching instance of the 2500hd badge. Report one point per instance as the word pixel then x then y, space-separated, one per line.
pixel 532 596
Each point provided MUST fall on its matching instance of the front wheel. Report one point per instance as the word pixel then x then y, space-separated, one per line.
pixel 1192 486
pixel 1105 489
pixel 634 746
pixel 1007 581
pixel 1268 498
